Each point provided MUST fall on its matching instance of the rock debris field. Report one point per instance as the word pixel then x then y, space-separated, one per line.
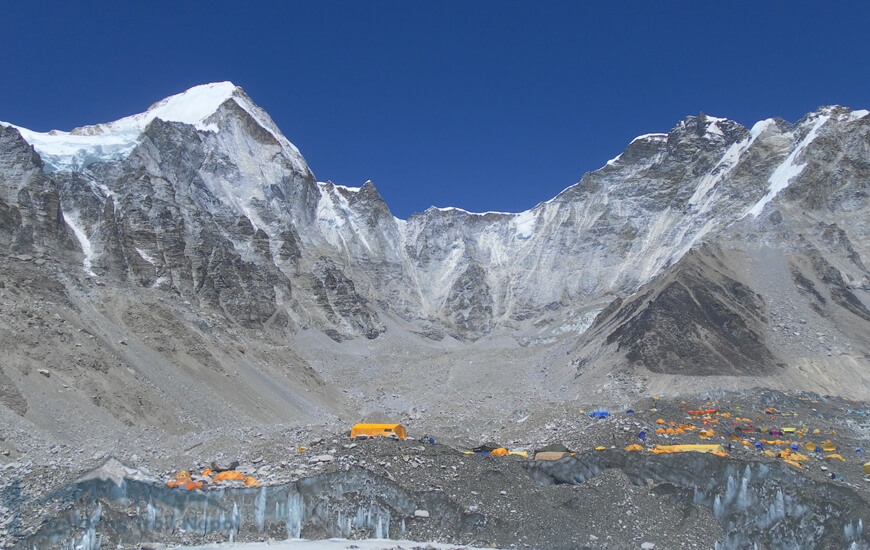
pixel 317 482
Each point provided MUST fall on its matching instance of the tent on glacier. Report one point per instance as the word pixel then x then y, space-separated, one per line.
pixel 396 431
pixel 554 451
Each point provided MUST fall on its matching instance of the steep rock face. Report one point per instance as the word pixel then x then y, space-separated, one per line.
pixel 470 303
pixel 211 215
pixel 215 204
pixel 616 229
pixel 785 283
pixel 30 213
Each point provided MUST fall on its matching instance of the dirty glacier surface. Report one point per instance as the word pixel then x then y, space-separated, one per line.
pixel 758 505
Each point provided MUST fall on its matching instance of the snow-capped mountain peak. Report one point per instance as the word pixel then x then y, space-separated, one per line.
pixel 192 106
pixel 82 146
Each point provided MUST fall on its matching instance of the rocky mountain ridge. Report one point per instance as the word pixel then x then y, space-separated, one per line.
pixel 196 234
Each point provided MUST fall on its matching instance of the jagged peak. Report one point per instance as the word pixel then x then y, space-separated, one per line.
pixel 835 112
pixel 707 127
pixel 650 137
pixel 344 188
pixel 453 210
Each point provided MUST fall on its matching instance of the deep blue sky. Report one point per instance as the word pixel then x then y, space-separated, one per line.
pixel 481 105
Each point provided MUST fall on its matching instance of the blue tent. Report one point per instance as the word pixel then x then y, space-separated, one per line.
pixel 600 414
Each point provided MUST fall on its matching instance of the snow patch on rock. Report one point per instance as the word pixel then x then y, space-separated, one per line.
pixel 788 170
pixel 71 219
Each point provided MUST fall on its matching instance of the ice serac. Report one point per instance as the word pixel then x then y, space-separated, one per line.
pixel 755 504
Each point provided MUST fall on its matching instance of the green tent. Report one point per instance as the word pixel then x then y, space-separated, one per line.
pixel 554 448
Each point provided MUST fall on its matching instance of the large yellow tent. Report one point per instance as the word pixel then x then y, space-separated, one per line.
pixel 375 430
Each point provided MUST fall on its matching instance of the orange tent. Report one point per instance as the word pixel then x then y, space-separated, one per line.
pixel 499 451
pixel 224 476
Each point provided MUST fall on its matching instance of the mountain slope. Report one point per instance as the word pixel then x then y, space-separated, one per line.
pixel 189 252
pixel 695 319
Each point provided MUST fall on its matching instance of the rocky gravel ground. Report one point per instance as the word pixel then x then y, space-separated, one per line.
pixel 607 511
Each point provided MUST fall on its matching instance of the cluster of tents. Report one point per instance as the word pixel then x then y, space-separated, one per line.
pixel 789 454
pixel 183 480
pixel 706 416
pixel 557 451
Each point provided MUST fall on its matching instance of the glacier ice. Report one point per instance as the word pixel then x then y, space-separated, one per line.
pixel 753 502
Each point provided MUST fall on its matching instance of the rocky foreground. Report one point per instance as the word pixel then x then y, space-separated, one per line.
pixel 318 483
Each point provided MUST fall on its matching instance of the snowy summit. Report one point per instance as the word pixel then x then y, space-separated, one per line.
pixel 74 150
